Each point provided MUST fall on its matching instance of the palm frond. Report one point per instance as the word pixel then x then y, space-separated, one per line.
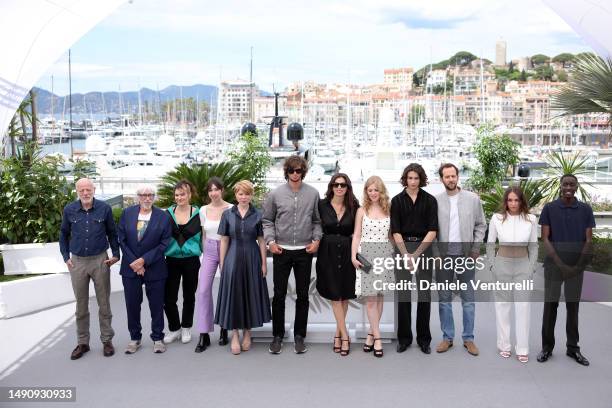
pixel 534 190
pixel 199 174
pixel 589 89
pixel 559 165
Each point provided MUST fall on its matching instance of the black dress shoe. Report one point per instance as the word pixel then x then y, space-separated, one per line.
pixel 223 338
pixel 108 349
pixel 79 351
pixel 425 348
pixel 401 347
pixel 203 343
pixel 580 359
pixel 544 356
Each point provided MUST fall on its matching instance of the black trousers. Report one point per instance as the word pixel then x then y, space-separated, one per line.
pixel 404 311
pixel 132 289
pixel 572 289
pixel 187 268
pixel 301 263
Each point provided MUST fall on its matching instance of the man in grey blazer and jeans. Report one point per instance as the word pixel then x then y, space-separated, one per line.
pixel 462 227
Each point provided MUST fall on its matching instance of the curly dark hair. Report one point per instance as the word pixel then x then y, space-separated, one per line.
pixel 294 162
pixel 418 169
pixel 350 201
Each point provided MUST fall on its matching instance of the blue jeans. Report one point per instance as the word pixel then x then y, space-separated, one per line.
pixel 467 302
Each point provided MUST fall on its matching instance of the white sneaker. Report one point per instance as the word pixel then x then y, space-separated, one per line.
pixel 171 336
pixel 185 335
pixel 132 347
pixel 159 347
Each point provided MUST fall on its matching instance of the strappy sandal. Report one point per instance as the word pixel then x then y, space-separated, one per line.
pixel 345 352
pixel 337 348
pixel 377 352
pixel 523 358
pixel 505 354
pixel 368 347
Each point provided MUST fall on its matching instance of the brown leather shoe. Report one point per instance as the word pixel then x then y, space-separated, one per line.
pixel 78 351
pixel 108 349
pixel 444 346
pixel 471 347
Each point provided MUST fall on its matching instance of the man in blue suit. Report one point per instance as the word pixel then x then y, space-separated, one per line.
pixel 144 233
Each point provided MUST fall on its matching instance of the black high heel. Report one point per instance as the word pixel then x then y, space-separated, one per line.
pixel 345 352
pixel 203 343
pixel 223 341
pixel 368 347
pixel 337 348
pixel 377 352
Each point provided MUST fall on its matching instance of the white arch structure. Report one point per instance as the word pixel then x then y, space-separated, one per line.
pixel 35 33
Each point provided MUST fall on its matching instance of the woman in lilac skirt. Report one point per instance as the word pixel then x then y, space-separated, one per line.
pixel 210 216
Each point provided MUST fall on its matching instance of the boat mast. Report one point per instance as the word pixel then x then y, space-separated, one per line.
pixel 70 99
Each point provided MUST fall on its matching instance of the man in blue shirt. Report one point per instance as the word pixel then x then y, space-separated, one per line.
pixel 87 230
pixel 567 231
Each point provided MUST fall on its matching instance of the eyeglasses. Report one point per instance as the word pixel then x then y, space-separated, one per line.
pixel 146 195
pixel 297 171
pixel 339 185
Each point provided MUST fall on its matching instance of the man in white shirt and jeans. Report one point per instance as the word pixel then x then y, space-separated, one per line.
pixel 462 227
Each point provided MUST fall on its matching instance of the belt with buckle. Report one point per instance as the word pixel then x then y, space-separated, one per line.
pixel 413 239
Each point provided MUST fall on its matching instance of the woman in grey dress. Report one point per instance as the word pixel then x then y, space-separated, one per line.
pixel 243 301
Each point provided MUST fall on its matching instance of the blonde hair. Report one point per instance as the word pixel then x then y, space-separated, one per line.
pixel 245 186
pixel 384 195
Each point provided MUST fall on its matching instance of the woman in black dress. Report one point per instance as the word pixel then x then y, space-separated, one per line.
pixel 243 301
pixel 335 272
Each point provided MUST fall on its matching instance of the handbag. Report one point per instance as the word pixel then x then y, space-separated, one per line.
pixel 366 265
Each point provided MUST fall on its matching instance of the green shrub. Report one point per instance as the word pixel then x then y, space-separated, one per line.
pixel 33 194
pixel 495 153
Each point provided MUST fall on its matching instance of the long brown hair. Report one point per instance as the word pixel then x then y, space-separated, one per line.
pixel 350 202
pixel 523 208
pixel 382 189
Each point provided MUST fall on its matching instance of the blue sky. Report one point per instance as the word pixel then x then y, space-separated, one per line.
pixel 152 43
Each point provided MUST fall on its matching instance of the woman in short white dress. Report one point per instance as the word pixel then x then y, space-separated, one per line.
pixel 371 239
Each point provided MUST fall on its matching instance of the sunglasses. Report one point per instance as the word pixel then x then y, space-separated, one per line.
pixel 297 171
pixel 146 195
pixel 339 185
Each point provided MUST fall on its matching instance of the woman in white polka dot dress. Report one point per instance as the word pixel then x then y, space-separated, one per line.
pixel 371 239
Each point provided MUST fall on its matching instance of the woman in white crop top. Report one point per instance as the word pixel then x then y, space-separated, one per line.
pixel 517 233
pixel 210 216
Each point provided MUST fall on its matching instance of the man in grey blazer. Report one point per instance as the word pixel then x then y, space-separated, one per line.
pixel 462 227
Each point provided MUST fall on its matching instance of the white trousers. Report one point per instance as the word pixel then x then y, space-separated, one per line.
pixel 512 270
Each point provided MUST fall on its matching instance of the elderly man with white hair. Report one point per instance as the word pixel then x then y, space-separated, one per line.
pixel 87 230
pixel 144 235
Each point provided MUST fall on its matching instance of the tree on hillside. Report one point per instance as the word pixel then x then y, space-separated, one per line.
pixel 544 72
pixel 565 58
pixel 511 67
pixel 462 58
pixel 540 59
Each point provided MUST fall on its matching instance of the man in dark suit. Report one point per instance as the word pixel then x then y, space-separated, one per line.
pixel 144 234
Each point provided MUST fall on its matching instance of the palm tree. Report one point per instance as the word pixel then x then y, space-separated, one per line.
pixel 199 174
pixel 588 90
pixel 559 165
pixel 493 200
